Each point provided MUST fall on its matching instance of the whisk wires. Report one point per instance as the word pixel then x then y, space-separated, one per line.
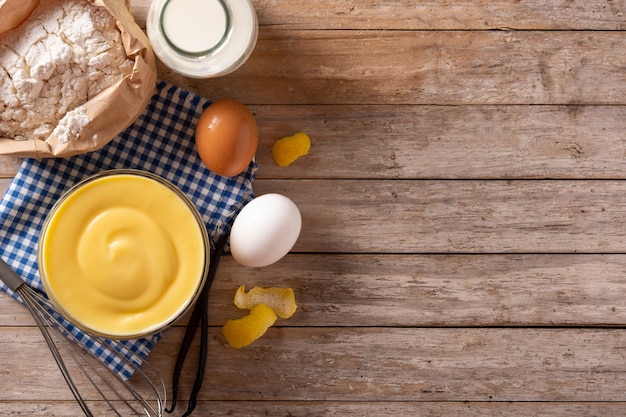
pixel 66 347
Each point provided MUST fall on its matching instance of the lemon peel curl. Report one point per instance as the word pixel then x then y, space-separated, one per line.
pixel 265 305
pixel 281 300
pixel 241 332
pixel 286 150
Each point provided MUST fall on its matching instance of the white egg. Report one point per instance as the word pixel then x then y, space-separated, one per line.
pixel 265 230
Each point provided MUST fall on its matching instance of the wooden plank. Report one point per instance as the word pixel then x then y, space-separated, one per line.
pixel 4 185
pixel 348 409
pixel 434 290
pixel 447 141
pixel 389 364
pixel 403 67
pixel 408 142
pixel 9 166
pixel 370 364
pixel 437 290
pixel 362 216
pixel 433 15
pixel 400 216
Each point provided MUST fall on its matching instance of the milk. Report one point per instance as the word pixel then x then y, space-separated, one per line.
pixel 202 38
pixel 195 26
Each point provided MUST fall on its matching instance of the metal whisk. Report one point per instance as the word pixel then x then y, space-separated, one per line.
pixel 143 395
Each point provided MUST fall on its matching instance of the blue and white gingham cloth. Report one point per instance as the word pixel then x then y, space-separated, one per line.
pixel 161 141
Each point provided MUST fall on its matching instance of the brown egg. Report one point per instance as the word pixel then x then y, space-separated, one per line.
pixel 227 137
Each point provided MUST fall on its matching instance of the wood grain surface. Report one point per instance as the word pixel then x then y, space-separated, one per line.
pixel 463 250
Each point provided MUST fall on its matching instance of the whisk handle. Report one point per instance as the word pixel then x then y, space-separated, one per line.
pixel 9 276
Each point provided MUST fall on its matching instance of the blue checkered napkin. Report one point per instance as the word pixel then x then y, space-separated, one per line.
pixel 160 141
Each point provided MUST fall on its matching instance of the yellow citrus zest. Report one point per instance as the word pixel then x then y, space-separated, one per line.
pixel 290 148
pixel 241 332
pixel 281 300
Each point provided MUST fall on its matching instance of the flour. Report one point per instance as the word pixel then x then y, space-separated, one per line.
pixel 70 126
pixel 63 55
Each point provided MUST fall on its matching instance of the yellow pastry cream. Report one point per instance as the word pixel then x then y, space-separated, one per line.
pixel 123 254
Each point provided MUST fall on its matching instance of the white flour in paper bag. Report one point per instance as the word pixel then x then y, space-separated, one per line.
pixel 64 54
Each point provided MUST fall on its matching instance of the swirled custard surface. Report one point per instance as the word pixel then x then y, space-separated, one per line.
pixel 122 255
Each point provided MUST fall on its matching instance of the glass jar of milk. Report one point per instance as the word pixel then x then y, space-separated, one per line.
pixel 202 38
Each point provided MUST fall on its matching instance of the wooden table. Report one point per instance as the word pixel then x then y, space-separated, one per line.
pixel 464 245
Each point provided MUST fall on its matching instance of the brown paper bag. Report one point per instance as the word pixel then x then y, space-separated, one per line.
pixel 111 111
